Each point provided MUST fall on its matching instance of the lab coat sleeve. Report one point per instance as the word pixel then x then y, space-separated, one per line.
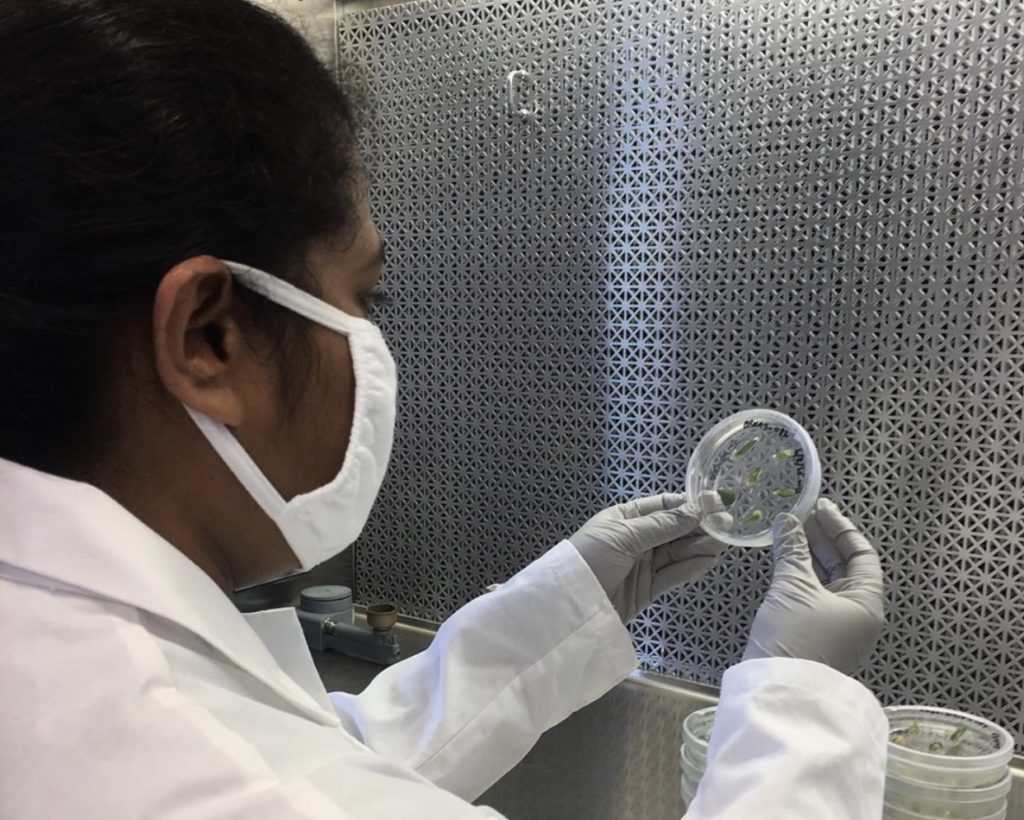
pixel 502 670
pixel 793 739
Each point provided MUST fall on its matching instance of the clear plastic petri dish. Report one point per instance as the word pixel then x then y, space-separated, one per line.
pixel 687 791
pixel 943 747
pixel 895 813
pixel 695 761
pixel 761 464
pixel 947 801
pixel 693 770
pixel 696 733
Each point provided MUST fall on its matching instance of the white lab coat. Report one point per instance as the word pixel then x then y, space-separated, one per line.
pixel 130 687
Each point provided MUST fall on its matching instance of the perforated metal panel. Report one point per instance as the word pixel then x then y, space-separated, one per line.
pixel 799 204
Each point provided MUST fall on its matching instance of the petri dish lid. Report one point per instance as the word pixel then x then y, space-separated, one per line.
pixel 693 769
pixel 920 774
pixel 762 464
pixel 697 732
pixel 933 794
pixel 687 791
pixel 943 740
pixel 695 760
pixel 890 812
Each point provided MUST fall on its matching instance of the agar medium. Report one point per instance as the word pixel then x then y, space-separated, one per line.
pixel 761 464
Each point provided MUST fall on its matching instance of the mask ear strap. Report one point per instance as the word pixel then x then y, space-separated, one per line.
pixel 297 300
pixel 239 462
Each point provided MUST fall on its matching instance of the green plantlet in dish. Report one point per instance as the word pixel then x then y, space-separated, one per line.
pixel 915 728
pixel 755 476
pixel 743 449
pixel 756 517
pixel 958 735
pixel 788 453
pixel 728 496
pixel 935 746
pixel 899 740
pixel 784 492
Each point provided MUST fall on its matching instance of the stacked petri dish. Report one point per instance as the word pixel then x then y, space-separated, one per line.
pixel 942 764
pixel 696 734
pixel 945 764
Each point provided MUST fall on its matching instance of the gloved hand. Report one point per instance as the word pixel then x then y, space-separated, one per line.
pixel 645 547
pixel 838 624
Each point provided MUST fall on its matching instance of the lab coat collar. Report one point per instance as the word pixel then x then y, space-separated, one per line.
pixel 66 534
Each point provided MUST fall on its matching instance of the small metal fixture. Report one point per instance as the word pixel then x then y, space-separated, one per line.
pixel 328 622
pixel 516 106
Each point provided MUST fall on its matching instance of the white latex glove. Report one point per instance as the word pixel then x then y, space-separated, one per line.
pixel 645 547
pixel 838 624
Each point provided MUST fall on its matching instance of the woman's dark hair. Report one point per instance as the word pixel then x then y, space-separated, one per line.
pixel 134 135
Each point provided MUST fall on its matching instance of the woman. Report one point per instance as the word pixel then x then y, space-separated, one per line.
pixel 194 401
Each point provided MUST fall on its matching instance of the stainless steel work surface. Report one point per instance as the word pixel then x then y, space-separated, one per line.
pixel 617 759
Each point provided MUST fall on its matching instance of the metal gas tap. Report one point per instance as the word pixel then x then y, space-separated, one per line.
pixel 327 616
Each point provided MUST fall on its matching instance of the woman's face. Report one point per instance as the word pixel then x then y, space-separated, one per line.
pixel 211 355
pixel 301 445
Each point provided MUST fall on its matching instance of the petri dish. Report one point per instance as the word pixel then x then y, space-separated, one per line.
pixel 687 791
pixel 947 801
pixel 692 770
pixel 761 464
pixel 694 760
pixel 697 732
pixel 890 812
pixel 943 747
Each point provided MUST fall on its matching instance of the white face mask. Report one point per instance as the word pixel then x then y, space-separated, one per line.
pixel 322 523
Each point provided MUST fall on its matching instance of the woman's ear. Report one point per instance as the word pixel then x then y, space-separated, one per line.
pixel 197 340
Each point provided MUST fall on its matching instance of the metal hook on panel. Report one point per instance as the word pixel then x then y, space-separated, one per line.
pixel 515 106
